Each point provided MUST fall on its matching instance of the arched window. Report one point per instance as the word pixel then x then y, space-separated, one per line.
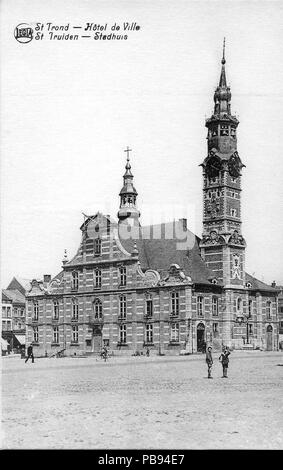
pixel 75 309
pixel 75 280
pixel 215 306
pixel 97 246
pixel 97 309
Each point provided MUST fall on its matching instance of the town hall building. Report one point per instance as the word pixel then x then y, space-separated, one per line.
pixel 161 287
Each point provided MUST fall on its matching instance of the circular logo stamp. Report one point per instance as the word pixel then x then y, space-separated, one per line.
pixel 23 33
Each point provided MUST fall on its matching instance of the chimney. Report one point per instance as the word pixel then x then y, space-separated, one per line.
pixel 46 279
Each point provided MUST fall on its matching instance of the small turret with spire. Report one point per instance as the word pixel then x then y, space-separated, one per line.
pixel 128 195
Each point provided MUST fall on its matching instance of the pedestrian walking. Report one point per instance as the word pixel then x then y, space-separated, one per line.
pixel 30 354
pixel 209 361
pixel 147 352
pixel 224 359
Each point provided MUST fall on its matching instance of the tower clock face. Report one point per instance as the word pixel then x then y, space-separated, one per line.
pixel 213 167
pixel 234 166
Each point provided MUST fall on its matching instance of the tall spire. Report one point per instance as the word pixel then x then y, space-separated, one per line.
pixel 222 124
pixel 128 194
pixel 222 81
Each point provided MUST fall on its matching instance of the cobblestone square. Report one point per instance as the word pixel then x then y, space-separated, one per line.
pixel 139 402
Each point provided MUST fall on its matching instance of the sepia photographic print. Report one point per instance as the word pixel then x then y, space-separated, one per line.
pixel 141 227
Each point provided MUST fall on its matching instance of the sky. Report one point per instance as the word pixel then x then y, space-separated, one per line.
pixel 70 108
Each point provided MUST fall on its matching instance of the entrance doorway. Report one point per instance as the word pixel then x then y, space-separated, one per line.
pixel 200 337
pixel 269 338
pixel 96 342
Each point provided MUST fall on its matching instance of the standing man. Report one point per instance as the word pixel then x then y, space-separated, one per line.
pixel 209 361
pixel 224 358
pixel 30 354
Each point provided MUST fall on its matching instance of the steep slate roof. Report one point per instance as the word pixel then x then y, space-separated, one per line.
pixel 259 285
pixel 19 283
pixel 15 295
pixel 167 248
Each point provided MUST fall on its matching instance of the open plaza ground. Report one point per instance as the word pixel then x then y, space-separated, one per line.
pixel 143 403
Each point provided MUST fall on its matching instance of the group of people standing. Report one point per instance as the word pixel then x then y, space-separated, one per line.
pixel 223 358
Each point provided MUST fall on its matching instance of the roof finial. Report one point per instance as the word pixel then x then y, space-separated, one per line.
pixel 223 61
pixel 65 259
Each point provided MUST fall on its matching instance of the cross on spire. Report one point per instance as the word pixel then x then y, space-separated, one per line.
pixel 223 58
pixel 128 151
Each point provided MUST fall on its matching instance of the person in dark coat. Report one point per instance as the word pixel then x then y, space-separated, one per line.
pixel 224 359
pixel 30 354
pixel 209 361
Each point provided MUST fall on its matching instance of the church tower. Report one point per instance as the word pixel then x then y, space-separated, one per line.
pixel 128 212
pixel 222 245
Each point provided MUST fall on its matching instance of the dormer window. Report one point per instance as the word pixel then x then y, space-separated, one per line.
pixel 233 212
pixel 248 284
pixel 97 247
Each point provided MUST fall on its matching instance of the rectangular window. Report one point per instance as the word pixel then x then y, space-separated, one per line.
pixel 149 333
pixel 75 334
pixel 250 329
pixel 233 212
pixel 250 307
pixel 268 309
pixel 35 311
pixel 55 334
pixel 149 308
pixel 97 278
pixel 214 306
pixel 200 306
pixel 75 308
pixel 75 280
pixel 123 276
pixel 215 330
pixel 56 310
pixel 224 129
pixel 123 334
pixel 123 307
pixel 174 333
pixel 97 246
pixel 35 334
pixel 175 303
